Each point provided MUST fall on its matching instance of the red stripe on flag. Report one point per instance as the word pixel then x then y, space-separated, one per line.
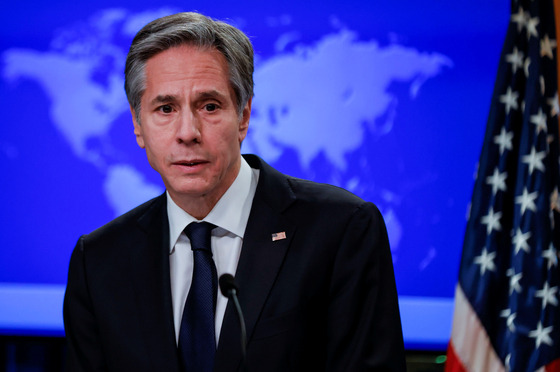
pixel 471 345
pixel 553 367
pixel 453 364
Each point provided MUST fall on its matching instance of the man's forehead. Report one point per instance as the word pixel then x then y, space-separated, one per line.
pixel 186 62
pixel 187 50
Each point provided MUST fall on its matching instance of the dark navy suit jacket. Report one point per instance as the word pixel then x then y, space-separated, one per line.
pixel 322 299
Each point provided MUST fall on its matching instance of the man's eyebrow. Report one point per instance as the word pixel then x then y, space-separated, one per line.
pixel 209 94
pixel 164 99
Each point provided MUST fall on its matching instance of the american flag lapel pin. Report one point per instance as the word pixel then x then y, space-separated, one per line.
pixel 278 236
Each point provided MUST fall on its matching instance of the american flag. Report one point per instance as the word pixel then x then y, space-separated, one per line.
pixel 278 236
pixel 507 311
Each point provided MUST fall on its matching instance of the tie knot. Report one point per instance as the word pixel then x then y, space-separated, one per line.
pixel 199 234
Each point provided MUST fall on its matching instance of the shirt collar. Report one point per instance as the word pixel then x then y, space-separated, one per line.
pixel 230 213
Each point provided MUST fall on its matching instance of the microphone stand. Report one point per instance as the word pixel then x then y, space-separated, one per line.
pixel 229 289
pixel 243 329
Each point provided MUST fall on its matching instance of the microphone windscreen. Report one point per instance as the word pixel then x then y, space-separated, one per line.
pixel 227 283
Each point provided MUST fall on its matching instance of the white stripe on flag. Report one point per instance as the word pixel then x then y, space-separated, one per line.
pixel 469 338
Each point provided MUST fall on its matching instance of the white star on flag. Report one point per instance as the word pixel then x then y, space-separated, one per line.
pixel 554 105
pixel 534 160
pixel 527 201
pixel 510 100
pixel 504 140
pixel 532 23
pixel 520 18
pixel 548 295
pixel 541 335
pixel 539 120
pixel 492 221
pixel 547 45
pixel 486 261
pixel 514 281
pixel 520 241
pixel 526 66
pixel 516 59
pixel 497 180
pixel 551 255
pixel 510 317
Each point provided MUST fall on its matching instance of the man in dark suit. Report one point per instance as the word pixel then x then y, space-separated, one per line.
pixel 312 261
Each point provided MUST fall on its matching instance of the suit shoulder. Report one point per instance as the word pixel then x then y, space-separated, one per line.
pixel 329 196
pixel 281 190
pixel 128 221
pixel 321 191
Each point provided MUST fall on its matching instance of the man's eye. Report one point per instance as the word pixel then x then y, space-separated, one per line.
pixel 166 109
pixel 211 107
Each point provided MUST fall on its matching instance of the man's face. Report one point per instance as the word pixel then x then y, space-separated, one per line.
pixel 189 124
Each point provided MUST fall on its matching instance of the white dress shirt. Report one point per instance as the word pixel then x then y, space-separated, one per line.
pixel 230 215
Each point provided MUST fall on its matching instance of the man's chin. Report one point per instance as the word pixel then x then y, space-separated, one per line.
pixel 189 192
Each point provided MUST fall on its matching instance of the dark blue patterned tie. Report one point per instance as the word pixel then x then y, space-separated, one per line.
pixel 197 341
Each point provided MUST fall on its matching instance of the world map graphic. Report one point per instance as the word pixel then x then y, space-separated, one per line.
pixel 329 110
pixel 388 101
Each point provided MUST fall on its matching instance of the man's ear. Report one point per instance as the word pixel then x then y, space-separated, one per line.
pixel 244 123
pixel 137 129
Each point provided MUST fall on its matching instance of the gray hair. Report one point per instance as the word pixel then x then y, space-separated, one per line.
pixel 192 29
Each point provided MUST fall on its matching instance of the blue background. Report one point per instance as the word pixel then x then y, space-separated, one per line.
pixel 49 197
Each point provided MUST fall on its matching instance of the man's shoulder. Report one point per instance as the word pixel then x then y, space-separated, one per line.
pixel 304 192
pixel 137 218
pixel 314 192
pixel 325 201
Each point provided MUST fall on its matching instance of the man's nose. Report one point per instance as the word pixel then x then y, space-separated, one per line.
pixel 188 128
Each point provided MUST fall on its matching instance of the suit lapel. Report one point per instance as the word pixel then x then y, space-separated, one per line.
pixel 260 260
pixel 150 270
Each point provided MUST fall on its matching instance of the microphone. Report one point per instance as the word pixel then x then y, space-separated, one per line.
pixel 229 289
pixel 228 286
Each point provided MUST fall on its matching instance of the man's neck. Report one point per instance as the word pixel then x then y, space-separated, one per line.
pixel 198 206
